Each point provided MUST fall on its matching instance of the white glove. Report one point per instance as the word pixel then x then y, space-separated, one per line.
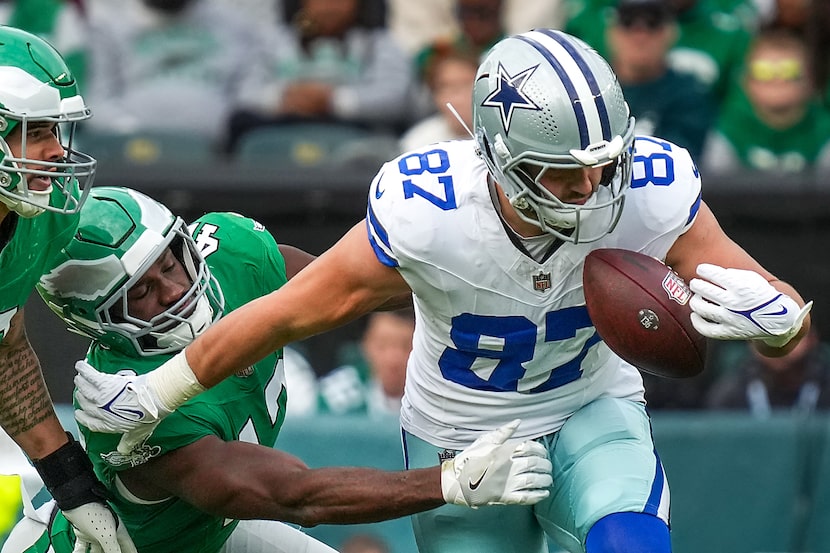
pixel 133 405
pixel 736 304
pixel 98 530
pixel 490 472
pixel 117 404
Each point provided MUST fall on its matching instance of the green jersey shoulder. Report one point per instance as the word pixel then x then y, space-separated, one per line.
pixel 27 256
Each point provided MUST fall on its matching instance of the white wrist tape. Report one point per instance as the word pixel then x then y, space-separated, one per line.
pixel 174 382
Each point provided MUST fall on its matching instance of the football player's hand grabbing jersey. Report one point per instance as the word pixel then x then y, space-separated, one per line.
pixel 492 472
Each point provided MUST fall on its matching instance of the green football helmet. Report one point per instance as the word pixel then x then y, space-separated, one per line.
pixel 546 100
pixel 37 86
pixel 121 233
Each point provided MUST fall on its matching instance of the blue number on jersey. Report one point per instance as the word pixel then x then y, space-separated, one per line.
pixel 514 342
pixel 513 338
pixel 424 163
pixel 664 163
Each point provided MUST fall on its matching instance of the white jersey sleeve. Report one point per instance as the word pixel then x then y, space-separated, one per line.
pixel 663 200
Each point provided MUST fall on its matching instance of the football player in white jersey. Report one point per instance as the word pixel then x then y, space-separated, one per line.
pixel 490 236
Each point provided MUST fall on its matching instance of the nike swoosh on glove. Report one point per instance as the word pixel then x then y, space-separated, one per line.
pixel 493 472
pixel 117 403
pixel 736 304
pixel 98 530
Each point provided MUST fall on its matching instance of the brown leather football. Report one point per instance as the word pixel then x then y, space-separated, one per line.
pixel 640 308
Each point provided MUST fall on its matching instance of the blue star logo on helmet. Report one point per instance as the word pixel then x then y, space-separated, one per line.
pixel 509 94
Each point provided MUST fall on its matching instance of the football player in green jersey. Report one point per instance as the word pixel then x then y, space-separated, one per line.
pixel 142 288
pixel 43 183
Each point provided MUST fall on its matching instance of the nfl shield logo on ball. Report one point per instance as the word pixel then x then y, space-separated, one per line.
pixel 676 288
pixel 541 282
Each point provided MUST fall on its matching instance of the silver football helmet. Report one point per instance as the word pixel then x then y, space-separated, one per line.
pixel 545 99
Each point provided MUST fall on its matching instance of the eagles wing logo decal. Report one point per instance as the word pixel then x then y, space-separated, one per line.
pixel 509 95
pixel 137 457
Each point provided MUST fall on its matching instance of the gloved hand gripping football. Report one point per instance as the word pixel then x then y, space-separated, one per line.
pixel 736 304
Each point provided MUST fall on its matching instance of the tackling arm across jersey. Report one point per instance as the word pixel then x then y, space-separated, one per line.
pixel 342 284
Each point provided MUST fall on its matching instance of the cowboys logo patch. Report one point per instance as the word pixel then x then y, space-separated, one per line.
pixel 509 94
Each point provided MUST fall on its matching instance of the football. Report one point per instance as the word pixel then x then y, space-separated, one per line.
pixel 640 308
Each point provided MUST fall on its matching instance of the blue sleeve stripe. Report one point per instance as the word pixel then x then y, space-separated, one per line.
pixel 379 240
pixel 694 209
pixel 375 228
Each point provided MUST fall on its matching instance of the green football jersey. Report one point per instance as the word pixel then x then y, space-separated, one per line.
pixel 249 406
pixel 28 253
pixel 760 147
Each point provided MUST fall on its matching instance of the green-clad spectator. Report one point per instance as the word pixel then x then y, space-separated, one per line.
pixel 774 122
pixel 710 45
pixel 664 102
pixel 209 479
pixel 171 67
pixel 480 26
pixel 371 379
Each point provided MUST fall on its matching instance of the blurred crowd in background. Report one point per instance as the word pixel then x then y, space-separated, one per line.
pixel 744 85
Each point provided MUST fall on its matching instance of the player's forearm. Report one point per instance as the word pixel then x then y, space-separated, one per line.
pixel 239 340
pixel 294 312
pixel 26 411
pixel 343 496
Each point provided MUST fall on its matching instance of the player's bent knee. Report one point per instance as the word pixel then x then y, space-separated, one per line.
pixel 629 533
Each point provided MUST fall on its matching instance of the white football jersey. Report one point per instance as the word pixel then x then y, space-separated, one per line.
pixel 499 335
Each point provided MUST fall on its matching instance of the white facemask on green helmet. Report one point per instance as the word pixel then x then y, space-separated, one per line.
pixel 121 234
pixel 37 87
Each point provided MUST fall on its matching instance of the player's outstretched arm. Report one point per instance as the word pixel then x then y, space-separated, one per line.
pixel 27 415
pixel 246 481
pixel 344 283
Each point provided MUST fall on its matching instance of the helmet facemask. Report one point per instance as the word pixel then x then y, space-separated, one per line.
pixel 121 235
pixel 178 325
pixel 37 88
pixel 578 223
pixel 75 170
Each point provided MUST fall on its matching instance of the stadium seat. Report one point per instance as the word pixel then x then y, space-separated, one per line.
pixel 148 148
pixel 307 145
